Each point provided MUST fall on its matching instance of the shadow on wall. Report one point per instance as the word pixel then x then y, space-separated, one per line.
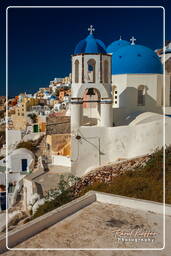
pixel 89 121
pixel 128 106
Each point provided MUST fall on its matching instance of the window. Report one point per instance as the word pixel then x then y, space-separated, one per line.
pixel 91 71
pixel 141 96
pixel 115 95
pixel 76 71
pixel 106 71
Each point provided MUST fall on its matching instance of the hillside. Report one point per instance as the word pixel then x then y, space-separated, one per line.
pixel 139 178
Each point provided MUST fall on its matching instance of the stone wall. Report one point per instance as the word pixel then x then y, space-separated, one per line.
pixel 108 172
pixel 58 125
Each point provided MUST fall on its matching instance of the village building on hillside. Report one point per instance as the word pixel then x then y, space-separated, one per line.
pixel 19 164
pixel 2 103
pixel 22 110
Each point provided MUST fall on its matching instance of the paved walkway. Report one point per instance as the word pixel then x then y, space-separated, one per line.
pixel 95 226
pixel 59 169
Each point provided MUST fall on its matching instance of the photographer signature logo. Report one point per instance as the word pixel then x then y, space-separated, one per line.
pixel 135 235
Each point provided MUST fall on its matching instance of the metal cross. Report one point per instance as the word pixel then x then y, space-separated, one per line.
pixel 91 29
pixel 132 40
pixel 120 38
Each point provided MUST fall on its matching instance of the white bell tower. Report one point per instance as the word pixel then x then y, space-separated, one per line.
pixel 91 68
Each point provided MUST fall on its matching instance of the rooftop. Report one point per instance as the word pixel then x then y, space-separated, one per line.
pixel 95 227
pixel 102 224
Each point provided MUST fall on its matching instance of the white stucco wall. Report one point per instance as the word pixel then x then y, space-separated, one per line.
pixel 28 192
pixel 14 137
pixel 167 89
pixel 127 86
pixel 134 81
pixel 61 160
pixel 101 145
pixel 33 136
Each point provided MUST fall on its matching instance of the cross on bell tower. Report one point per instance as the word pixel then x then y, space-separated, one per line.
pixel 91 29
pixel 132 40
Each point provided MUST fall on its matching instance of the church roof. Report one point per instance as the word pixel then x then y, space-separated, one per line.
pixel 114 46
pixel 90 45
pixel 24 151
pixel 136 59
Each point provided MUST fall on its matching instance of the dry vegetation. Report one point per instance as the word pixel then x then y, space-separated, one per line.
pixel 145 182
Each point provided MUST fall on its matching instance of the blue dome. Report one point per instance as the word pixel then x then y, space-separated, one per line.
pixel 90 45
pixel 113 47
pixel 136 59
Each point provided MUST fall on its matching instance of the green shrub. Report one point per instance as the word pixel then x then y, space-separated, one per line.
pixel 62 199
pixel 59 196
pixel 143 183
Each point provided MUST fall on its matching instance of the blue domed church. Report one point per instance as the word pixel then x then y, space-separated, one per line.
pixel 124 78
pixel 116 102
pixel 137 79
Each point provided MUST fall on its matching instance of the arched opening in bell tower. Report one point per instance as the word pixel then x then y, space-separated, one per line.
pixel 91 107
pixel 91 71
pixel 77 71
pixel 106 71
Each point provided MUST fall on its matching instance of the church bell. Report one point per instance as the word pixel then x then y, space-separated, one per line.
pixel 90 92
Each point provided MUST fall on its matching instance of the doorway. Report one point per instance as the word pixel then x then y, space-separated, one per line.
pixel 24 165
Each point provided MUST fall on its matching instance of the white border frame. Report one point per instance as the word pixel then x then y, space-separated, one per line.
pixel 164 118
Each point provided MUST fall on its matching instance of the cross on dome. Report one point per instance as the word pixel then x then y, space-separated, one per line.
pixel 120 38
pixel 132 40
pixel 91 29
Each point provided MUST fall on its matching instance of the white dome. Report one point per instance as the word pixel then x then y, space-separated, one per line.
pixel 20 151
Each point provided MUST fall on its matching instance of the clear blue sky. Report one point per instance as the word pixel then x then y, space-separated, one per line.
pixel 41 41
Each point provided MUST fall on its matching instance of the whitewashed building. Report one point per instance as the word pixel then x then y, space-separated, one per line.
pixel 21 160
pixel 137 80
pixel 18 164
pixel 127 79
